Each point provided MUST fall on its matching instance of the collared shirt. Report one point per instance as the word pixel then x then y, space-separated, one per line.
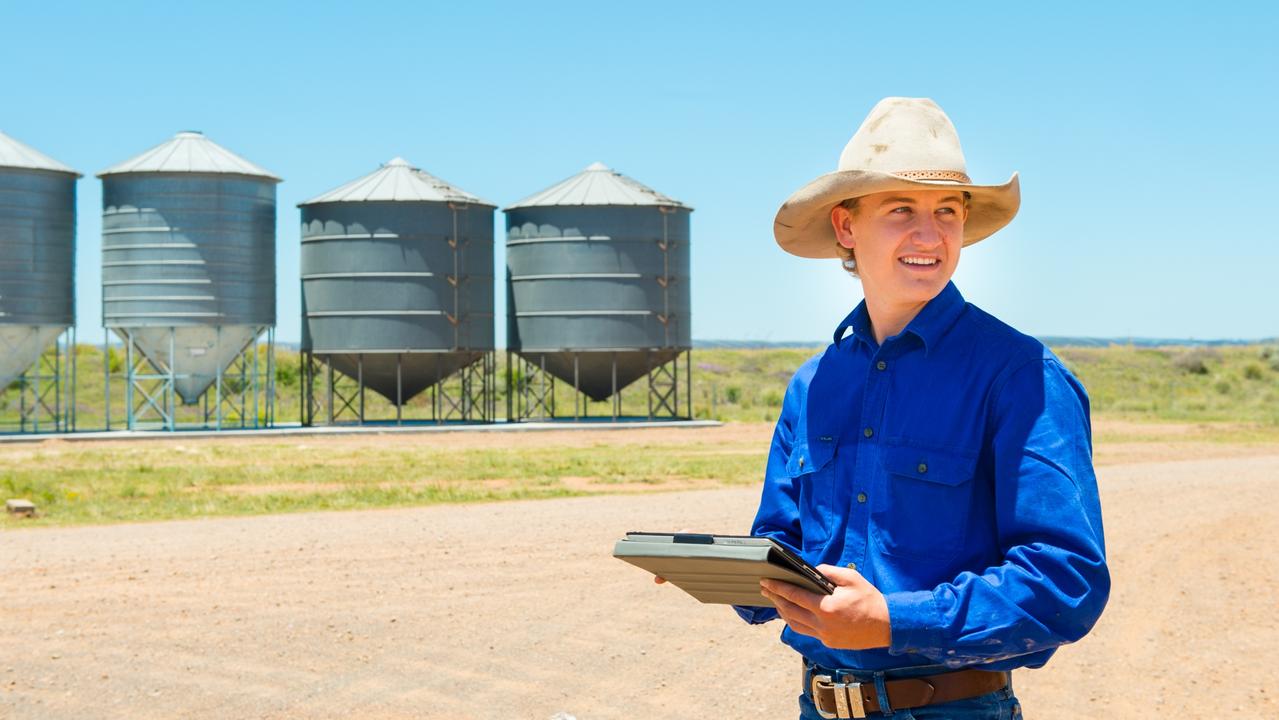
pixel 952 467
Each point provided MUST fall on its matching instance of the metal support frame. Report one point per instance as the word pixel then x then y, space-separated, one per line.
pixel 530 389
pixel 241 396
pixel 329 396
pixel 46 397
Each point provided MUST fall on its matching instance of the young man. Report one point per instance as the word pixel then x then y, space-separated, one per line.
pixel 935 463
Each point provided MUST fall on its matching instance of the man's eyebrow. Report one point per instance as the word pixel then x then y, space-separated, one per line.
pixel 892 200
pixel 909 201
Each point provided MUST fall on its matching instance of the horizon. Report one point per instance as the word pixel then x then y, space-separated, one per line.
pixel 1131 146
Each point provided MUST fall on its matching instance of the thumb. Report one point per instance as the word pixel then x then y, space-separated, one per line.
pixel 842 576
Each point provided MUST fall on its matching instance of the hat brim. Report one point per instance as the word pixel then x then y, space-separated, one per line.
pixel 802 226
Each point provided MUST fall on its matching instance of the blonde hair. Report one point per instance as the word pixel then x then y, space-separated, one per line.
pixel 847 258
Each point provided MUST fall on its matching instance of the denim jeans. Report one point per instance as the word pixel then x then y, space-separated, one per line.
pixel 999 705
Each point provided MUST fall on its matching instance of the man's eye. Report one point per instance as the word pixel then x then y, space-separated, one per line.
pixel 946 210
pixel 904 209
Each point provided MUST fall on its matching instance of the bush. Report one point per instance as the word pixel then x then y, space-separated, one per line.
pixel 1194 361
pixel 1253 371
pixel 286 372
pixel 1223 387
pixel 733 395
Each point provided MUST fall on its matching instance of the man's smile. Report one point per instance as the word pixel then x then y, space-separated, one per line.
pixel 922 262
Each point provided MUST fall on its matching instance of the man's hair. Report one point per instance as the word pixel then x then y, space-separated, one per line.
pixel 847 257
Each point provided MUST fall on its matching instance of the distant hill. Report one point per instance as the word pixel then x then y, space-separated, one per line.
pixel 1052 340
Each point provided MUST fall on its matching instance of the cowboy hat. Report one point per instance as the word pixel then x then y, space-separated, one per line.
pixel 904 144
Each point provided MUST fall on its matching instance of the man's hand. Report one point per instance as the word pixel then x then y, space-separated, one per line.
pixel 854 617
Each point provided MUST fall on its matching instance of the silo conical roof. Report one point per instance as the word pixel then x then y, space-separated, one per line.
pixel 398 181
pixel 598 184
pixel 189 152
pixel 19 155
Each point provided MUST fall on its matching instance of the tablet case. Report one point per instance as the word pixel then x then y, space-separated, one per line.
pixel 721 569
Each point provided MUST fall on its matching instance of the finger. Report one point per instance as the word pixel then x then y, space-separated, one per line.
pixel 659 579
pixel 803 629
pixel 841 576
pixel 791 612
pixel 793 593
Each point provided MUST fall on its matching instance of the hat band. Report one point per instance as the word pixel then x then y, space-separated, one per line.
pixel 955 175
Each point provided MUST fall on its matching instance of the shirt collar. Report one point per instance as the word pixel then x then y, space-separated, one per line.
pixel 929 325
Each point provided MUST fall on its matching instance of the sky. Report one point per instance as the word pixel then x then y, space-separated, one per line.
pixel 1145 133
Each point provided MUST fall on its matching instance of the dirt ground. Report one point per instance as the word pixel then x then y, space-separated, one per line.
pixel 516 610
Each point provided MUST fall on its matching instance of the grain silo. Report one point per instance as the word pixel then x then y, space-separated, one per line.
pixel 397 295
pixel 37 290
pixel 188 283
pixel 598 294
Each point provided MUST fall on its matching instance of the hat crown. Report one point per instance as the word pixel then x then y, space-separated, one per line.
pixel 905 136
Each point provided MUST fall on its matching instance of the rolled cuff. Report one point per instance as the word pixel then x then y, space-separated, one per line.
pixel 756 615
pixel 915 623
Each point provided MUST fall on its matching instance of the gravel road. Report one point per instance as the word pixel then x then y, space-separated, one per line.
pixel 516 610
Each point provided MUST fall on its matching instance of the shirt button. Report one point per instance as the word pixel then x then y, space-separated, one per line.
pixel 801 463
pixel 861 497
pixel 881 365
pixel 923 467
pixel 852 566
pixel 868 432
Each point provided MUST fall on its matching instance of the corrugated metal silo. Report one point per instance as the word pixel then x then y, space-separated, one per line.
pixel 397 290
pixel 598 285
pixel 37 284
pixel 188 276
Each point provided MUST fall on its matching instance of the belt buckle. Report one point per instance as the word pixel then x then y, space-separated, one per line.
pixel 848 698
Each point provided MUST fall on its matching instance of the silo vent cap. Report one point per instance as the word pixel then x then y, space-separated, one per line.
pixel 597 166
pixel 397 161
pixel 190 133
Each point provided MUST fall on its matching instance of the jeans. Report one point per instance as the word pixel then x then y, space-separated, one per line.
pixel 999 705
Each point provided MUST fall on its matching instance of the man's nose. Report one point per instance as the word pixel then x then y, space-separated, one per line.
pixel 929 234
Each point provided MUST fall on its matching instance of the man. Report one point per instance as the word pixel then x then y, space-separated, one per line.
pixel 933 462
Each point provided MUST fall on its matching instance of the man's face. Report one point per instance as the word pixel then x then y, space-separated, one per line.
pixel 906 243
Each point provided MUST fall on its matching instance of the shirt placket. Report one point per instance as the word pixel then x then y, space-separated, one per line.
pixel 870 424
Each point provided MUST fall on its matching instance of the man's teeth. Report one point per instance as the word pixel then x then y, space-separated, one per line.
pixel 919 261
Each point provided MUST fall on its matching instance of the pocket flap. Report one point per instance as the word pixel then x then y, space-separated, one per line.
pixel 802 460
pixel 947 467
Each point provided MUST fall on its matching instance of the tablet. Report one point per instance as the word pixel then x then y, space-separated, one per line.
pixel 721 569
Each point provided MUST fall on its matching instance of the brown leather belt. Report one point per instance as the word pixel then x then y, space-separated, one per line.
pixel 840 697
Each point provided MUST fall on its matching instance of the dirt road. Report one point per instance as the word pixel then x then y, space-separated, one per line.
pixel 516 610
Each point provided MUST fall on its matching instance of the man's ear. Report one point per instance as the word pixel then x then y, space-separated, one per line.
pixel 841 219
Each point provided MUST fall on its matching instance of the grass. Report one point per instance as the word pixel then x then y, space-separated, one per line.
pixel 1138 394
pixel 76 483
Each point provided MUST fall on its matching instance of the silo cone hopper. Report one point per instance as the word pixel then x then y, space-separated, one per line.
pixel 594 372
pixel 199 353
pixel 416 371
pixel 21 347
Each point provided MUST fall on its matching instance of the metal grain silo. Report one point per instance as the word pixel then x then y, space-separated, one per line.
pixel 37 289
pixel 397 295
pixel 188 281
pixel 598 291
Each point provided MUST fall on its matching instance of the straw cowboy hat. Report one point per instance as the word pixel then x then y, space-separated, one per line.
pixel 904 144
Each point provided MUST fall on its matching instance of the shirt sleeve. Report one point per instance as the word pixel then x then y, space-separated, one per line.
pixel 778 515
pixel 1053 582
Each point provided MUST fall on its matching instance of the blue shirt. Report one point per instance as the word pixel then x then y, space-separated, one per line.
pixel 952 467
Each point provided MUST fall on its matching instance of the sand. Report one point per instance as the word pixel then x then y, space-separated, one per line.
pixel 516 610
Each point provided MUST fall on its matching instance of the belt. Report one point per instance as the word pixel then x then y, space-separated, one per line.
pixel 836 696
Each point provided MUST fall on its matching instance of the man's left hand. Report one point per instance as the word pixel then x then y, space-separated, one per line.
pixel 854 617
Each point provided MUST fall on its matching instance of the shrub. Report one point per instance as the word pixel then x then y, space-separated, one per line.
pixel 1223 387
pixel 733 394
pixel 1253 371
pixel 1195 360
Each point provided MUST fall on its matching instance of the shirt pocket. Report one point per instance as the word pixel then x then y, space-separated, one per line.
pixel 921 511
pixel 814 481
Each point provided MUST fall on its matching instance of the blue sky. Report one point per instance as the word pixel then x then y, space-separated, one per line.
pixel 1146 134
